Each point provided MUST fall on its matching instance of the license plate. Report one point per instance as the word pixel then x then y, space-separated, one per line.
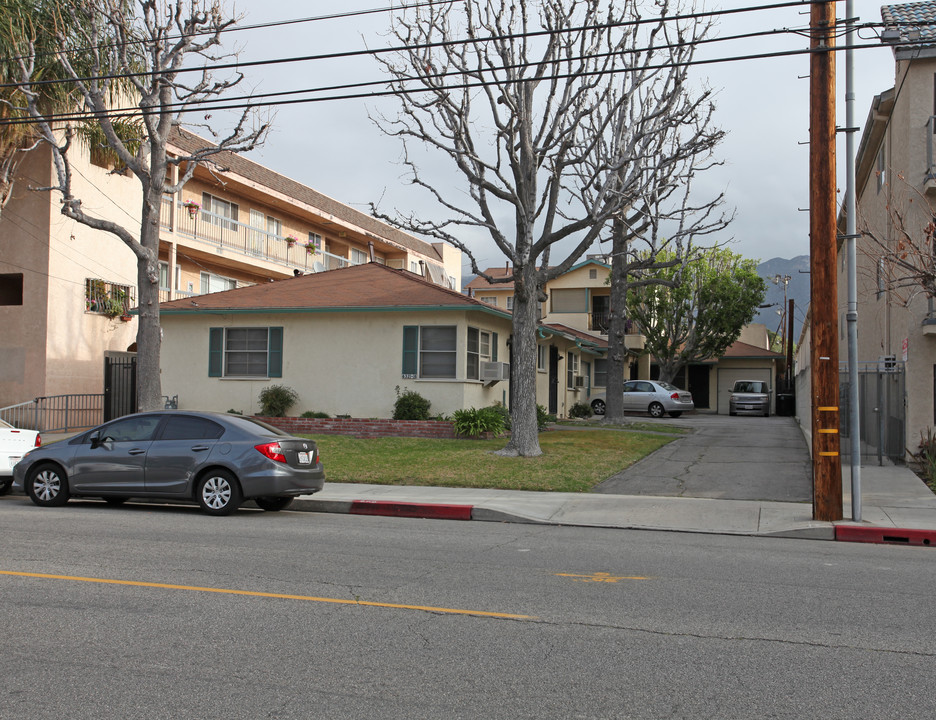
pixel 304 458
pixel 14 460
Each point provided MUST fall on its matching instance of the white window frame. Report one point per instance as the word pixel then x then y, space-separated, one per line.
pixel 477 350
pixel 510 302
pixel 572 369
pixel 358 256
pixel 222 212
pixel 541 358
pixel 205 279
pixel 490 300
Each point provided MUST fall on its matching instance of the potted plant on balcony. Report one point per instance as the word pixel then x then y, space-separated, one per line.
pixel 310 247
pixel 291 240
pixel 192 207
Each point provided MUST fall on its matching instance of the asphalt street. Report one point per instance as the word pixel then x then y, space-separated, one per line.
pixel 149 611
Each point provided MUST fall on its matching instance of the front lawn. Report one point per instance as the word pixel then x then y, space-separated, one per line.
pixel 572 460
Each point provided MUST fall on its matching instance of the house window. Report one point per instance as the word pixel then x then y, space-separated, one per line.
pixel 211 283
pixel 592 274
pixel 107 298
pixel 358 257
pixel 219 212
pixel 541 358
pixel 11 289
pixel 245 352
pixel 429 351
pixel 601 372
pixel 479 350
pixel 490 300
pixel 571 300
pixel 881 168
pixel 510 302
pixel 572 369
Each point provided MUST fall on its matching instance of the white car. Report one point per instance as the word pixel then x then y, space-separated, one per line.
pixel 650 396
pixel 14 443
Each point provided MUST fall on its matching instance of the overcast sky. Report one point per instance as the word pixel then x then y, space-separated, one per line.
pixel 762 104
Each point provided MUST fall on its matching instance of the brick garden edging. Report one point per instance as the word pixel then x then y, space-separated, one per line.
pixel 363 427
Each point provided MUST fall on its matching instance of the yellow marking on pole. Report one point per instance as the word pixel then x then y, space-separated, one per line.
pixel 279 596
pixel 599 577
pixel 829 430
pixel 828 454
pixel 827 409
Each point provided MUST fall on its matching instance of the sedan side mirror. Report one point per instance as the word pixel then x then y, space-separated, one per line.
pixel 95 439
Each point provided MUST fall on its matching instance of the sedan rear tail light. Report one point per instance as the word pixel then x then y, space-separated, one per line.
pixel 38 440
pixel 272 450
pixel 674 396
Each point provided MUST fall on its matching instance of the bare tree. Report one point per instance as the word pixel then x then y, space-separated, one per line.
pixel 902 248
pixel 525 98
pixel 149 48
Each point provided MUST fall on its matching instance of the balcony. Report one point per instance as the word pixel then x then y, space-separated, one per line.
pixel 246 240
pixel 106 298
pixel 599 322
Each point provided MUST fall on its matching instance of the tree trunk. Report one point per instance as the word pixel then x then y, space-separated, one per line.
pixel 524 438
pixel 617 327
pixel 149 339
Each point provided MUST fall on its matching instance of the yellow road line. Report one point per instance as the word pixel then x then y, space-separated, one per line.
pixel 281 596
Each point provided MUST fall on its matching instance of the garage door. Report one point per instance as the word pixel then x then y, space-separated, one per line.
pixel 726 380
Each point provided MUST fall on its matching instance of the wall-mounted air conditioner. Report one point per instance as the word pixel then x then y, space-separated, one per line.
pixel 492 372
pixel 887 363
pixel 579 381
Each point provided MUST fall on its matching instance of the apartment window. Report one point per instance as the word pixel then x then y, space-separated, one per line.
pixel 479 350
pixel 316 240
pixel 572 369
pixel 881 168
pixel 358 257
pixel 601 372
pixel 541 358
pixel 211 283
pixel 245 352
pixel 219 212
pixel 274 226
pixel 490 300
pixel 11 289
pixel 429 351
pixel 414 266
pixel 510 302
pixel 107 298
pixel 571 300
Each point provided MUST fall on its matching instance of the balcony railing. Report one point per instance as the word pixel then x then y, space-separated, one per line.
pixel 248 240
pixel 930 164
pixel 599 322
pixel 106 298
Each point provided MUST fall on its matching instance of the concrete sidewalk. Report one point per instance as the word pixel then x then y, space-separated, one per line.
pixel 893 498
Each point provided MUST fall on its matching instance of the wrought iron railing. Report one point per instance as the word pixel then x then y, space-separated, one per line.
pixel 57 413
pixel 107 298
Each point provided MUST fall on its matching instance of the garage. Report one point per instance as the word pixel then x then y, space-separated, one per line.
pixel 727 377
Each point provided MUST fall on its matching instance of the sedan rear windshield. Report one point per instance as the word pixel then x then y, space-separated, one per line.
pixel 250 424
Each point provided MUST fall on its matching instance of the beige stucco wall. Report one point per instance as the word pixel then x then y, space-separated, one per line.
pixel 339 363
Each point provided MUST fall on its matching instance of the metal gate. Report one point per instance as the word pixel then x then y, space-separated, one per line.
pixel 120 396
pixel 882 415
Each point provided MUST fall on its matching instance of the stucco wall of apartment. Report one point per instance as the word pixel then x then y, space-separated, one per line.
pixel 579 281
pixel 346 363
pixel 53 345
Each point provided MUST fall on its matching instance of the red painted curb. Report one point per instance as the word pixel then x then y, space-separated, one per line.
pixel 411 510
pixel 890 536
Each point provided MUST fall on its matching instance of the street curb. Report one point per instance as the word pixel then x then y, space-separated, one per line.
pixel 885 536
pixel 393 508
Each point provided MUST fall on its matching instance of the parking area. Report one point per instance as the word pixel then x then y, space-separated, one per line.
pixel 728 458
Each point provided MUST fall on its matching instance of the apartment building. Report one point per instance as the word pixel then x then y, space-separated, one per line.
pixel 66 291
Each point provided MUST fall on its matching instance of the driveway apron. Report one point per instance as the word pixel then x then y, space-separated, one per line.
pixel 730 458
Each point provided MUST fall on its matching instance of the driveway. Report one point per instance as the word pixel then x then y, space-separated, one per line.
pixel 729 458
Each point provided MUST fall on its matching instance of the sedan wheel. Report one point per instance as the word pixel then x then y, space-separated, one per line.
pixel 656 410
pixel 47 486
pixel 598 407
pixel 272 504
pixel 218 493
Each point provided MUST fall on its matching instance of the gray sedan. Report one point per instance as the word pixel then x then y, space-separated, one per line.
pixel 214 459
pixel 650 396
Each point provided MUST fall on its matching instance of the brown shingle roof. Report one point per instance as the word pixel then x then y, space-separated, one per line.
pixel 740 349
pixel 359 286
pixel 188 142
pixel 579 334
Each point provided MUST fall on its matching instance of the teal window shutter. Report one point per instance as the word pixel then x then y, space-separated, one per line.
pixel 275 358
pixel 410 350
pixel 215 352
pixel 493 347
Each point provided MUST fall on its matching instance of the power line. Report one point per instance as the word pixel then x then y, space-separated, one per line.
pixel 199 107
pixel 429 46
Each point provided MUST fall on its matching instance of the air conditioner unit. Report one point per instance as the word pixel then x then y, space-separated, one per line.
pixel 492 372
pixel 887 363
pixel 579 381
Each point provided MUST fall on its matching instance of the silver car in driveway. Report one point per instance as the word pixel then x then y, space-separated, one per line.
pixel 214 459
pixel 749 397
pixel 650 396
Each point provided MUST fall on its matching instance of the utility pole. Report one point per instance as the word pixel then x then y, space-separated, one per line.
pixel 827 463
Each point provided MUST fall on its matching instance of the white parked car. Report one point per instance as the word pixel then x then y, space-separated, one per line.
pixel 650 396
pixel 14 443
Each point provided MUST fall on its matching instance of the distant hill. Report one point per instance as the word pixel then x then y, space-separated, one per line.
pixel 797 289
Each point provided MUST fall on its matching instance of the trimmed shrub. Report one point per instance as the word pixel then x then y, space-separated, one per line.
pixel 503 412
pixel 275 400
pixel 314 414
pixel 543 417
pixel 580 410
pixel 410 405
